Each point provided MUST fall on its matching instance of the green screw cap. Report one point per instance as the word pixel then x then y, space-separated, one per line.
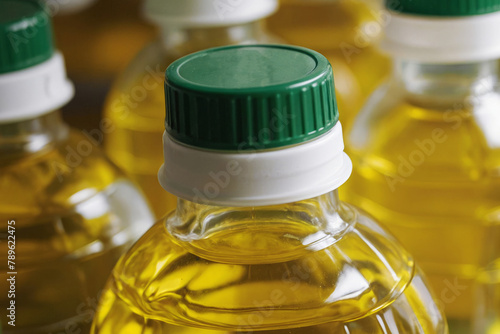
pixel 250 97
pixel 25 35
pixel 444 7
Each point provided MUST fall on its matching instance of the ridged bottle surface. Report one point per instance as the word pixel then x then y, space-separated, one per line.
pixel 279 269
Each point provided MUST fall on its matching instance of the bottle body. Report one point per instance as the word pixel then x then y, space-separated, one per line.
pixel 278 269
pixel 73 217
pixel 430 173
pixel 346 32
pixel 136 103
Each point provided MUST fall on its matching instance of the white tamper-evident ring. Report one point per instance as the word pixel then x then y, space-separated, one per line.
pixel 205 13
pixel 443 39
pixel 245 179
pixel 34 91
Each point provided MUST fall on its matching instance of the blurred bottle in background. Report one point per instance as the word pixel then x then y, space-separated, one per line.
pixel 136 104
pixel 98 39
pixel 427 151
pixel 66 212
pixel 346 32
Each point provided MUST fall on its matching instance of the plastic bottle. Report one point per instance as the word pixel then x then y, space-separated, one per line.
pixel 347 33
pixel 66 212
pixel 427 146
pixel 136 103
pixel 259 241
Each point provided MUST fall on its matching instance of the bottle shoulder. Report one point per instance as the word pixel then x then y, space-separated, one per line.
pixel 70 200
pixel 455 141
pixel 59 178
pixel 329 280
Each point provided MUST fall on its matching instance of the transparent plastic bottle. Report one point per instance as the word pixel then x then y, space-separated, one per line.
pixel 66 212
pixel 259 241
pixel 347 33
pixel 136 102
pixel 427 149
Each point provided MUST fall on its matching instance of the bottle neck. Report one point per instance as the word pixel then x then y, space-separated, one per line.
pixel 445 84
pixel 32 136
pixel 218 231
pixel 184 40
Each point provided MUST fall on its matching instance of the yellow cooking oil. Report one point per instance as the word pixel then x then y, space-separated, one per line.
pixel 67 212
pixel 74 215
pixel 259 241
pixel 136 103
pixel 347 33
pixel 427 158
pixel 250 272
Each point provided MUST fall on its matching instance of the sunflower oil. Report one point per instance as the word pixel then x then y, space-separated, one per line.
pixel 297 291
pixel 71 226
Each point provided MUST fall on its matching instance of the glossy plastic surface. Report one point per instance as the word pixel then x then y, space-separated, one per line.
pixel 314 266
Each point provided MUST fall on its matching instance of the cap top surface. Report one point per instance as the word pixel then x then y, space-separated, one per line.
pixel 259 67
pixel 250 96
